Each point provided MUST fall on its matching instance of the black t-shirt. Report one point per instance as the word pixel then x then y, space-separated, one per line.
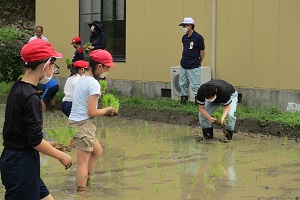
pixel 191 50
pixel 23 117
pixel 224 92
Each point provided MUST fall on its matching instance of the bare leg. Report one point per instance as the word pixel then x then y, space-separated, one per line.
pixel 82 169
pixel 49 197
pixel 52 102
pixel 43 105
pixel 94 158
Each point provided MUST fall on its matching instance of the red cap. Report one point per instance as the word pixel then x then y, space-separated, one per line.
pixel 81 64
pixel 38 50
pixel 76 40
pixel 103 57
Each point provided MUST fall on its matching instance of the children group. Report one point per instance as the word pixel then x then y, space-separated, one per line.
pixel 23 125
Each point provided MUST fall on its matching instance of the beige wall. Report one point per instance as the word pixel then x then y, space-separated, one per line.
pixel 60 20
pixel 257 42
pixel 153 37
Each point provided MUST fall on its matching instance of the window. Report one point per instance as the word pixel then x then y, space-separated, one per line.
pixel 112 15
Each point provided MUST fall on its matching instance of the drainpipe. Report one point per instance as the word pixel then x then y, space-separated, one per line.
pixel 213 37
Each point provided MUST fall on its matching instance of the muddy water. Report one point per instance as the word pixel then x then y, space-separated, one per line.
pixel 147 160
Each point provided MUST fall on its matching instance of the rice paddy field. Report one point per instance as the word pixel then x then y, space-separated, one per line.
pixel 152 160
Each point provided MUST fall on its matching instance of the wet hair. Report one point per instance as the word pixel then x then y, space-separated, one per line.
pixel 35 64
pixel 209 90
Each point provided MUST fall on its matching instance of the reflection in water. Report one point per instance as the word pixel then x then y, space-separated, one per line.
pixel 212 167
pixel 230 170
pixel 146 160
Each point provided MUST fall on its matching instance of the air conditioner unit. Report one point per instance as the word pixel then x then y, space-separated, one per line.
pixel 175 89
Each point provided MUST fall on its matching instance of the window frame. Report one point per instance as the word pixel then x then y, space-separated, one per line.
pixel 92 15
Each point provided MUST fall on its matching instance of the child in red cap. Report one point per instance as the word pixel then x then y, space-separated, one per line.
pixel 82 118
pixel 78 54
pixel 22 130
pixel 79 67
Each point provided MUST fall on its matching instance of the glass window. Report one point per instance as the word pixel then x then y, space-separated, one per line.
pixel 112 14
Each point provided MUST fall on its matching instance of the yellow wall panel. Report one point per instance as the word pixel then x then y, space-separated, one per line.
pixel 240 43
pixel 135 16
pixel 289 45
pixel 265 43
pixel 172 33
pixel 200 11
pixel 257 41
pixel 222 35
pixel 153 31
pixel 60 20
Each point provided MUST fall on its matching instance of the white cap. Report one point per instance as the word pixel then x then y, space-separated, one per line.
pixel 187 20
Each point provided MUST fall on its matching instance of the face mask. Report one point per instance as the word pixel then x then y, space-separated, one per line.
pixel 74 47
pixel 211 100
pixel 92 28
pixel 184 30
pixel 103 74
pixel 45 80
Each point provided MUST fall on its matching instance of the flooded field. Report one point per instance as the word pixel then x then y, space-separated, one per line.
pixel 149 160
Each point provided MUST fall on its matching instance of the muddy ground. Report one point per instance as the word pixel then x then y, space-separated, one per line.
pixel 191 119
pixel 160 157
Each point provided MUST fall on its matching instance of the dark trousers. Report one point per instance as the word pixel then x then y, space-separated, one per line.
pixel 66 107
pixel 20 174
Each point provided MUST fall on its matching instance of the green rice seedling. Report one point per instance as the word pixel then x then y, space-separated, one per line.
pixel 103 85
pixel 86 49
pixel 108 171
pixel 62 136
pixel 141 179
pixel 263 172
pixel 101 160
pixel 110 100
pixel 194 181
pixel 132 194
pixel 253 166
pixel 68 61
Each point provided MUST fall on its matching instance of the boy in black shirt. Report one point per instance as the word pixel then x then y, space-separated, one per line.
pixel 22 130
pixel 210 96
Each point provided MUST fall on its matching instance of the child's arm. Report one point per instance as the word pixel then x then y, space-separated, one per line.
pixel 45 148
pixel 92 108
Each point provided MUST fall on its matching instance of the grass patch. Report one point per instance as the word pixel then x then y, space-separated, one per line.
pixel 5 87
pixel 157 104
